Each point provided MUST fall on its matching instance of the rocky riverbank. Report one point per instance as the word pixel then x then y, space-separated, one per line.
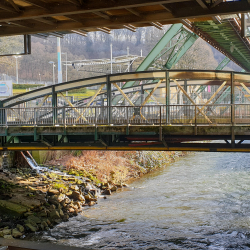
pixel 37 200
pixel 32 202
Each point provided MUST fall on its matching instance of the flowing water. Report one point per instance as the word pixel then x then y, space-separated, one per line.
pixel 201 201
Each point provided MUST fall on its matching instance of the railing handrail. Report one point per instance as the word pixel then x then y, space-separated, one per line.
pixel 124 115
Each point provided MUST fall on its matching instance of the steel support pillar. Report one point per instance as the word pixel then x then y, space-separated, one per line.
pixel 184 48
pixel 109 100
pixel 54 104
pixel 167 97
pixel 232 110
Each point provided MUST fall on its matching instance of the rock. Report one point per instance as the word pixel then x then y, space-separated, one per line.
pixel 28 214
pixel 60 212
pixel 12 208
pixel 74 187
pixel 1 234
pixel 54 215
pixel 65 217
pixel 44 225
pixel 91 203
pixel 71 210
pixel 113 189
pixel 42 214
pixel 53 200
pixel 6 231
pixel 58 221
pixel 8 237
pixel 106 192
pixel 89 197
pixel 53 192
pixel 61 197
pixel 31 228
pixel 77 196
pixel 65 202
pixel 20 228
pixel 16 233
pixel 34 218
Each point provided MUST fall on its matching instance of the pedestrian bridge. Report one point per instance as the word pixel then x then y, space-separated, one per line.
pixel 152 110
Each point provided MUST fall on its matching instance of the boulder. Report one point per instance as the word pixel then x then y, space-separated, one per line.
pixel 54 215
pixel 6 231
pixel 42 214
pixel 60 212
pixel 53 192
pixel 34 218
pixel 77 196
pixel 8 237
pixel 20 228
pixel 31 227
pixel 61 197
pixel 113 189
pixel 106 192
pixel 12 209
pixel 74 187
pixel 44 225
pixel 16 233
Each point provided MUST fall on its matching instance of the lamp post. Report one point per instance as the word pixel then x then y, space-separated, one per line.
pixel 66 66
pixel 111 59
pixel 40 77
pixel 53 65
pixel 17 68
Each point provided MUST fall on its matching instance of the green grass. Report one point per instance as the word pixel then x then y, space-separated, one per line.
pixel 87 94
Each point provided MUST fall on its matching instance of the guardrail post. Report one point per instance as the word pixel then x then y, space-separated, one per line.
pixel 232 111
pixel 54 105
pixel 109 100
pixel 167 97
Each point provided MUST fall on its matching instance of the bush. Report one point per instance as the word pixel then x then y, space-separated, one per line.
pixel 26 86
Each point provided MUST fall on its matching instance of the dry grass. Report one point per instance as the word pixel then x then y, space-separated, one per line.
pixel 115 166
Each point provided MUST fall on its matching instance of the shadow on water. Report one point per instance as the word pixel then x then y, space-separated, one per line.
pixel 200 202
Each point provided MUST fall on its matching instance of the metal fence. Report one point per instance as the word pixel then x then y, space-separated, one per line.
pixel 124 115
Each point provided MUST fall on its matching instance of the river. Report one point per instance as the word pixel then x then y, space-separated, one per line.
pixel 202 201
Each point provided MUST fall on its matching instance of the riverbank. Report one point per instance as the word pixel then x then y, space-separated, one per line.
pixel 32 201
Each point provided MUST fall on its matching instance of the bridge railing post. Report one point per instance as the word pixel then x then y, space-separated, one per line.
pixel 232 111
pixel 167 97
pixel 109 100
pixel 35 117
pixel 64 116
pixel 160 116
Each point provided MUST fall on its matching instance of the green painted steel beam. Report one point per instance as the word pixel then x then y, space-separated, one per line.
pixel 147 62
pixel 223 63
pixel 184 48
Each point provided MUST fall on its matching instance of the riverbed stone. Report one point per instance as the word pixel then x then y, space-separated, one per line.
pixel 12 208
pixel 54 215
pixel 6 231
pixel 8 237
pixel 77 196
pixel 61 197
pixel 60 212
pixel 16 233
pixel 20 228
pixel 31 227
pixel 34 218
pixel 106 192
pixel 53 192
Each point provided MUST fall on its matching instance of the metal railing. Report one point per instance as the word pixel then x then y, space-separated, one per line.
pixel 124 115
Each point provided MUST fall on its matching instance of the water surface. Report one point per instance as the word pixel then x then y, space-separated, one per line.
pixel 201 201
